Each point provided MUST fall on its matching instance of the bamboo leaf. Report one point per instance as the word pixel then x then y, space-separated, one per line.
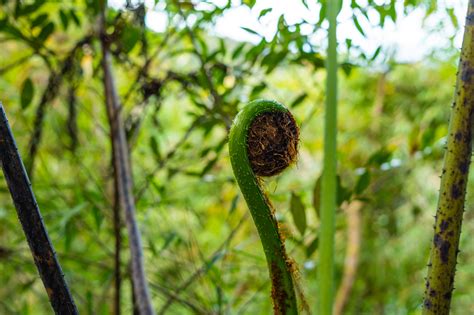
pixel 264 12
pixel 251 31
pixel 155 148
pixel 317 197
pixel 64 19
pixel 297 209
pixel 312 247
pixel 362 182
pixel 357 25
pixel 74 17
pixel 299 99
pixel 39 20
pixel 27 93
pixel 47 30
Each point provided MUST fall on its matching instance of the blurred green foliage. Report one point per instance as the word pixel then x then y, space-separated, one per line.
pixel 180 90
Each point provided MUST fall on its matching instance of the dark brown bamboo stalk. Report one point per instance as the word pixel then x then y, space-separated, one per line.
pixel 123 176
pixel 32 223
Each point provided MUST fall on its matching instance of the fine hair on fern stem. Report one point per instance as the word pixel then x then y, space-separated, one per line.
pixel 263 141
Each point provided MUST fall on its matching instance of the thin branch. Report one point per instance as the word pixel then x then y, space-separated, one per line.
pixel 32 222
pixel 352 256
pixel 168 156
pixel 247 303
pixel 171 295
pixel 15 63
pixel 203 268
pixel 118 247
pixel 50 92
pixel 218 102
pixel 143 70
pixel 123 176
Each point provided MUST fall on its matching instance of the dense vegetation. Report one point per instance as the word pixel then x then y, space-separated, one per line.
pixel 180 91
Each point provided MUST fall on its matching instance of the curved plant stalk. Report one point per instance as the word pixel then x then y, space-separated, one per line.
pixel 328 184
pixel 283 293
pixel 447 229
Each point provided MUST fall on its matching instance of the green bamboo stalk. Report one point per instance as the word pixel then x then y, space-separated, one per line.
pixel 328 184
pixel 283 293
pixel 447 229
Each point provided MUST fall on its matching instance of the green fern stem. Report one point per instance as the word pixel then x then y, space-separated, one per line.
pixel 283 293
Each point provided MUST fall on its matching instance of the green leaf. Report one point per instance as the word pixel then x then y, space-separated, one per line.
pixel 264 12
pixel 348 43
pixel 27 93
pixel 343 194
pixel 64 19
pixel 347 68
pixel 47 30
pixel 71 213
pixel 312 247
pixel 392 12
pixel 67 223
pixel 299 99
pixel 357 25
pixel 169 238
pixel 204 51
pixel 222 47
pixel 236 53
pixel 98 217
pixel 69 234
pixel 428 137
pixel 258 89
pixel 155 148
pixel 90 302
pixel 152 246
pixel 39 20
pixel 32 8
pixel 315 59
pixel 74 17
pixel 210 164
pixel 130 37
pixel 233 204
pixel 317 196
pixel 273 59
pixel 12 30
pixel 376 53
pixel 254 53
pixel 17 10
pixel 452 16
pixel 297 209
pixel 362 182
pixel 249 3
pixel 379 157
pixel 250 31
pixel 322 13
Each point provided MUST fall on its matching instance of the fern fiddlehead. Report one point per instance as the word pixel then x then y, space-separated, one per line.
pixel 263 141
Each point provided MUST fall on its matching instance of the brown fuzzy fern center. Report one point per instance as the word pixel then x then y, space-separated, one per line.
pixel 272 143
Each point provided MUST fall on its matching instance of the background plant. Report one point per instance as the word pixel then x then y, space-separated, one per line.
pixel 180 90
